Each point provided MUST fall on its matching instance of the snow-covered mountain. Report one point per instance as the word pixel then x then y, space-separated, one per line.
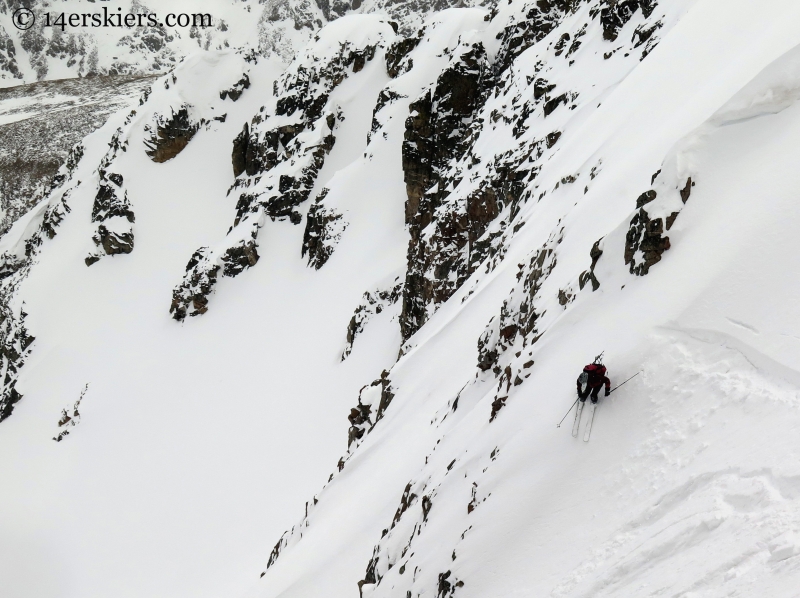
pixel 424 225
pixel 100 41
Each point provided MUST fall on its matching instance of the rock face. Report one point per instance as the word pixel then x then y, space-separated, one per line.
pixel 111 209
pixel 645 241
pixel 236 91
pixel 396 56
pixel 588 275
pixel 614 14
pixel 276 160
pixel 435 135
pixel 530 27
pixel 645 238
pixel 372 403
pixel 324 229
pixel 465 215
pixel 373 304
pixel 170 135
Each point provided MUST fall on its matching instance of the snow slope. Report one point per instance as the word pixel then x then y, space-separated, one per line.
pixel 658 225
pixel 690 481
pixel 181 404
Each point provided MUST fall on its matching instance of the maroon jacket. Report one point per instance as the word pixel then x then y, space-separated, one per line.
pixel 596 377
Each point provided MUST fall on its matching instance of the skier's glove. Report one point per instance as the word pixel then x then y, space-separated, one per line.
pixel 608 392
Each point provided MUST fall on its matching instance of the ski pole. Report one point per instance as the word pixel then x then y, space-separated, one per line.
pixel 566 414
pixel 628 380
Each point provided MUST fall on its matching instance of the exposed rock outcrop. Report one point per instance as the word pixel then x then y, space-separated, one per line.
pixel 397 61
pixel 324 228
pixel 588 275
pixel 530 27
pixel 373 303
pixel 111 209
pixel 276 159
pixel 373 400
pixel 237 89
pixel 615 14
pixel 645 241
pixel 436 134
pixel 168 136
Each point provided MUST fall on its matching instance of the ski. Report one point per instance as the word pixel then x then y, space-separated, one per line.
pixel 589 422
pixel 577 423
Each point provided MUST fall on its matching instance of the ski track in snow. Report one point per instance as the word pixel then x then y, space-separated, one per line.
pixel 720 531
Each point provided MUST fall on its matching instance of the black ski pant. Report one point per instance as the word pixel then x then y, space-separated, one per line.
pixel 593 391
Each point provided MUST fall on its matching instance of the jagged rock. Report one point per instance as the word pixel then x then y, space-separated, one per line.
pixel 236 91
pixel 553 103
pixel 386 96
pixel 111 209
pixel 239 257
pixel 280 161
pixel 396 63
pixel 615 14
pixel 564 297
pixel 533 26
pixel 298 97
pixel 70 418
pixel 358 418
pixel 263 152
pixel 15 339
pixel 561 44
pixel 446 588
pixel 113 241
pixel 373 303
pixel 645 243
pixel 15 343
pixel 191 297
pixel 687 190
pixel 645 198
pixel 171 135
pixel 374 397
pixel 552 138
pixel 324 228
pixel 588 275
pixel 434 133
pixel 411 516
pixel 239 153
pixel 108 204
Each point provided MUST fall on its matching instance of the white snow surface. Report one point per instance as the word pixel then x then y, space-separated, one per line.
pixel 199 443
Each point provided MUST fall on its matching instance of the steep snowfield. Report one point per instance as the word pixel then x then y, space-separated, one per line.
pixel 206 435
pixel 690 482
pixel 201 433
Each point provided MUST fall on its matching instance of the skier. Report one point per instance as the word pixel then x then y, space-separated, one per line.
pixel 592 380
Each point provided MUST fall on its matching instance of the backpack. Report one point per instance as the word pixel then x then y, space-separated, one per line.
pixel 594 373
